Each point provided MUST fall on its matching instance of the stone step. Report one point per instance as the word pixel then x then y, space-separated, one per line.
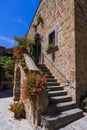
pixel 57 93
pixel 45 70
pixel 55 88
pixel 53 83
pixel 60 99
pixel 42 67
pixel 53 121
pixel 47 73
pixel 51 80
pixel 49 76
pixel 59 107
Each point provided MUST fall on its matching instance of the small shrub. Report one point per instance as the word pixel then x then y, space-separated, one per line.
pixel 50 46
pixel 18 107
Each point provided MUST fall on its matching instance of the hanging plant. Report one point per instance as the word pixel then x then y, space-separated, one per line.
pixel 34 26
pixel 39 19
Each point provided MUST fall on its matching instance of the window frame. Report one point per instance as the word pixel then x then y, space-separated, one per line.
pixel 55 28
pixel 55 48
pixel 51 38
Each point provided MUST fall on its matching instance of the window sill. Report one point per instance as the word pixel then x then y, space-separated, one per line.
pixel 55 48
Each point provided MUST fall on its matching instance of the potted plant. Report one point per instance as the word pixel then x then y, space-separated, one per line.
pixel 18 109
pixel 51 48
pixel 34 26
pixel 39 19
pixel 19 56
pixel 33 84
pixel 85 104
pixel 18 53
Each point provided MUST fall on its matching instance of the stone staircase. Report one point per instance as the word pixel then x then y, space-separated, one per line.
pixel 61 109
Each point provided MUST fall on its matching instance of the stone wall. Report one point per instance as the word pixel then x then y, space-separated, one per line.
pixel 58 15
pixel 81 47
pixel 17 95
pixel 33 109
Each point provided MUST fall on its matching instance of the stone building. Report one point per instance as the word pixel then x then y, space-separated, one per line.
pixel 64 25
pixel 6 51
pixel 59 30
pixel 2 50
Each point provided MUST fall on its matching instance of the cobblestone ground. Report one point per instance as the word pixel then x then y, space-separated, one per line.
pixel 80 124
pixel 7 121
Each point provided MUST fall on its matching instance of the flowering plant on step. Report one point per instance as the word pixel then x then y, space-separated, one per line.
pixel 18 108
pixel 18 54
pixel 33 84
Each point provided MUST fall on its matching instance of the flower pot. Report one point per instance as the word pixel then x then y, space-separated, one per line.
pixel 55 48
pixel 17 115
pixel 23 115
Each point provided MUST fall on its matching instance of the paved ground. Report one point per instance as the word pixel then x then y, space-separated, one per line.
pixel 80 124
pixel 7 121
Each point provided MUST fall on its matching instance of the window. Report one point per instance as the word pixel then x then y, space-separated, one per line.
pixel 52 38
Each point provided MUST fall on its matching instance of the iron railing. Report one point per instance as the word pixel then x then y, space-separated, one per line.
pixel 57 69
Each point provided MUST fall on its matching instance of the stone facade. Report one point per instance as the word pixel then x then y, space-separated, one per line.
pixel 59 16
pixel 68 19
pixel 6 51
pixel 81 47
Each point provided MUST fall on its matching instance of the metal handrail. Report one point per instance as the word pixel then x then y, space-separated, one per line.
pixel 58 70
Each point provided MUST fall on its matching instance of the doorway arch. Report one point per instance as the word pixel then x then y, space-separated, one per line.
pixel 18 82
pixel 38 48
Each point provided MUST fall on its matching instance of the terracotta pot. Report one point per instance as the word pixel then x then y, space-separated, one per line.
pixel 17 115
pixel 23 115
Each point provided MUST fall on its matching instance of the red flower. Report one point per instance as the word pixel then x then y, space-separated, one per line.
pixel 20 53
pixel 17 107
pixel 33 84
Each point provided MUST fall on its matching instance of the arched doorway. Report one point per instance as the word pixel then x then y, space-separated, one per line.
pixel 38 48
pixel 18 81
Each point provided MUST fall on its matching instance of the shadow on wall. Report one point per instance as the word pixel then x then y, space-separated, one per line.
pixel 6 93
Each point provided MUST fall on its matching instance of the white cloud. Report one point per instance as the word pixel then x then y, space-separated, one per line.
pixel 19 20
pixel 4 39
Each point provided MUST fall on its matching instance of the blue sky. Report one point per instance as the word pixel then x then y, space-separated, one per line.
pixel 15 19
